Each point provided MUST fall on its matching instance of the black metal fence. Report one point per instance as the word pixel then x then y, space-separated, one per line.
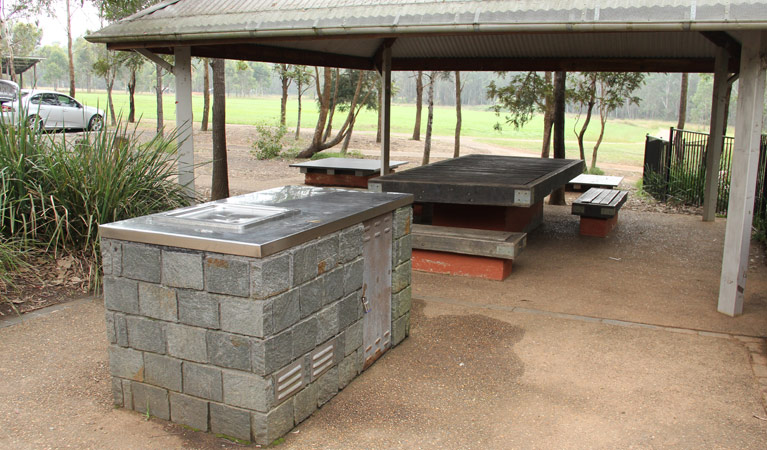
pixel 676 170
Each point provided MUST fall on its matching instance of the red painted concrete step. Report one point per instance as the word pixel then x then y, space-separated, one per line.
pixel 463 265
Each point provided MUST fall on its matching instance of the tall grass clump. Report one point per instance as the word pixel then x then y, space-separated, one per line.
pixel 57 190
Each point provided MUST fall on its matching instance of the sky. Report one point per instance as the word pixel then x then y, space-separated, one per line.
pixel 84 18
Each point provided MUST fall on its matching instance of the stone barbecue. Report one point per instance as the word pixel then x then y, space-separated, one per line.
pixel 243 316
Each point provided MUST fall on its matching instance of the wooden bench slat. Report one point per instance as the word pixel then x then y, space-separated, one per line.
pixel 619 199
pixel 588 196
pixel 609 198
pixel 603 194
pixel 599 203
pixel 468 241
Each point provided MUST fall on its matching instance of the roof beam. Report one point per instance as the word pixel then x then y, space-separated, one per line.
pixel 378 57
pixel 722 39
pixel 155 59
pixel 557 64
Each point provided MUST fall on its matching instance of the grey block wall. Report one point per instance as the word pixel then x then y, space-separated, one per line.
pixel 244 347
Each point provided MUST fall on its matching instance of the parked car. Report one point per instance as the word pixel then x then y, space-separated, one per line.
pixel 50 110
pixel 9 91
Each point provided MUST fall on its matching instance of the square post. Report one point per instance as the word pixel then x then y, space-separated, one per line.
pixel 745 158
pixel 716 135
pixel 183 73
pixel 385 108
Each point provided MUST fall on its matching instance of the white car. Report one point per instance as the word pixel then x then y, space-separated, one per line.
pixel 50 110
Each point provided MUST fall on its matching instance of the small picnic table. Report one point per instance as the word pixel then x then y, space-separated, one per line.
pixel 343 172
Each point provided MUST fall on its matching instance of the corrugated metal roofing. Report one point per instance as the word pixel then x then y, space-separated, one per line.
pixel 441 29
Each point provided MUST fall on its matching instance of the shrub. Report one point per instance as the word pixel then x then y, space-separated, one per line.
pixel 595 171
pixel 349 154
pixel 268 145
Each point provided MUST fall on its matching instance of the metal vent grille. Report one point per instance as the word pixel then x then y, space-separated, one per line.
pixel 323 358
pixel 288 381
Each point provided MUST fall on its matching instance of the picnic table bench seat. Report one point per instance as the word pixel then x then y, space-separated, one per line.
pixel 598 209
pixel 465 251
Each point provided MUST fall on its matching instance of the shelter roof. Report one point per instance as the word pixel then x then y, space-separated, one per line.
pixel 451 34
pixel 20 63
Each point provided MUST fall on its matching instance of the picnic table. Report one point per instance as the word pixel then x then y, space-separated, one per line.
pixel 343 172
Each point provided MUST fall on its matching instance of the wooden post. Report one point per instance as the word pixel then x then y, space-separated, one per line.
pixel 385 108
pixel 716 135
pixel 745 157
pixel 183 73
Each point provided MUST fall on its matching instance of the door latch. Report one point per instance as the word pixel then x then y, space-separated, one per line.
pixel 365 304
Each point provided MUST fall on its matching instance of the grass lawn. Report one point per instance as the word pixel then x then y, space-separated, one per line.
pixel 623 141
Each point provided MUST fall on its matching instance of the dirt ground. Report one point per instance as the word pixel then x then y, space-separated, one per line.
pixel 590 343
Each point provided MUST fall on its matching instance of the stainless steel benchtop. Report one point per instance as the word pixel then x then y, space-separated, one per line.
pixel 260 223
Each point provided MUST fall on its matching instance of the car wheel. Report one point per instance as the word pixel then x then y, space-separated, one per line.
pixel 96 123
pixel 35 123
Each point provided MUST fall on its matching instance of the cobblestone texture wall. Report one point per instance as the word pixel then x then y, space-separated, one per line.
pixel 212 341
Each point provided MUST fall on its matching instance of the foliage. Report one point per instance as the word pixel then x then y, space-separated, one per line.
pixel 24 39
pixel 12 253
pixel 349 154
pixel 269 143
pixel 595 171
pixel 56 191
pixel 524 96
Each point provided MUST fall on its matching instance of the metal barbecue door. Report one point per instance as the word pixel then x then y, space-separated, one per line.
pixel 376 287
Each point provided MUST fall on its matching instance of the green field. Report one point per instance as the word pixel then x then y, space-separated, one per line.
pixel 623 141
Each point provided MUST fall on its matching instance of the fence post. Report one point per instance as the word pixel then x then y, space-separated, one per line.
pixel 671 149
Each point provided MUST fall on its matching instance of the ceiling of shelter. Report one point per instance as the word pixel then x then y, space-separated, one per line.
pixel 639 35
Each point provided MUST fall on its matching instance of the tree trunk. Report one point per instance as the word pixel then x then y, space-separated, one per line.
pixel 457 144
pixel 332 108
pixel 69 53
pixel 220 177
pixel 298 122
pixel 110 85
pixel 602 121
pixel 558 196
pixel 683 102
pixel 548 120
pixel 131 97
pixel 205 94
pixel 324 98
pixel 285 80
pixel 158 99
pixel 380 102
pixel 429 120
pixel 348 138
pixel 7 38
pixel 418 105
pixel 582 133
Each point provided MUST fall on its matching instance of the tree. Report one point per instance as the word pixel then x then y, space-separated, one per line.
pixel 458 89
pixel 54 67
pixel 430 117
pixel 106 66
pixel 220 176
pixel 283 72
pixel 24 39
pixel 70 55
pixel 205 95
pixel 418 105
pixel 584 95
pixel 560 80
pixel 614 90
pixel 85 56
pixel 133 62
pixel 524 95
pixel 683 102
pixel 13 10
pixel 303 78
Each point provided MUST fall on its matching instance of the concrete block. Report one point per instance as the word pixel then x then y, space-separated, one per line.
pixel 182 269
pixel 162 371
pixel 305 402
pixel 110 322
pixel 146 334
pixel 353 337
pixel 189 411
pixel 199 309
pixel 111 257
pixel 350 243
pixel 228 350
pixel 353 273
pixel 157 302
pixel 304 263
pixel 333 286
pixel 230 422
pixel 121 294
pixel 403 249
pixel 272 354
pixel 327 323
pixel 349 368
pixel 328 386
pixel 248 390
pixel 349 310
pixel 227 275
pixel 187 342
pixel 400 329
pixel 127 395
pixel 267 427
pixel 285 310
pixel 117 392
pixel 401 302
pixel 203 381
pixel 327 253
pixel 400 277
pixel 310 296
pixel 245 316
pixel 151 400
pixel 402 219
pixel 121 330
pixel 304 336
pixel 141 262
pixel 271 276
